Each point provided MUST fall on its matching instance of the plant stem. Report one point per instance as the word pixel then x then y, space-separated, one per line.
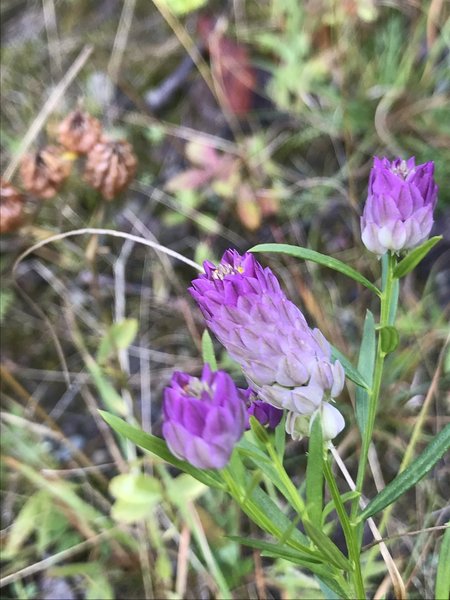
pixel 385 317
pixel 349 531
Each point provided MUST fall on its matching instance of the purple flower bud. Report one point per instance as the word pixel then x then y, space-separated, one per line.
pixel 203 418
pixel 265 413
pixel 398 213
pixel 287 364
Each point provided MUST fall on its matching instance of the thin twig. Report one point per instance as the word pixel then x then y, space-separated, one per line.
pixel 122 353
pixel 111 232
pixel 182 561
pixel 121 39
pixel 50 561
pixel 54 45
pixel 405 534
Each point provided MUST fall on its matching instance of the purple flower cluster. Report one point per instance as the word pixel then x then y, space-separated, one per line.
pixel 398 213
pixel 204 417
pixel 288 364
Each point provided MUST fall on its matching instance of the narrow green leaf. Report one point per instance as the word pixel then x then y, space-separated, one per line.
pixel 327 592
pixel 314 474
pixel 327 548
pixel 110 397
pixel 410 476
pixel 259 431
pixel 394 301
pixel 443 570
pixel 118 336
pixel 366 364
pixel 280 436
pixel 272 520
pixel 330 506
pixel 159 447
pixel 352 373
pixel 25 523
pixel 412 259
pixel 297 556
pixel 208 354
pixel 320 259
pixel 264 464
pixel 389 338
pixel 333 580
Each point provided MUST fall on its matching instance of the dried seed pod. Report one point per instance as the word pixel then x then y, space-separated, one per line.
pixel 44 172
pixel 79 132
pixel 110 166
pixel 11 207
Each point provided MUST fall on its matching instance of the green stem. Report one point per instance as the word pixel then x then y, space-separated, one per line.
pixel 385 313
pixel 294 497
pixel 349 531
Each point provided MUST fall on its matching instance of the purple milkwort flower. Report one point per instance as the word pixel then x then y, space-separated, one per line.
pixel 288 364
pixel 265 413
pixel 398 213
pixel 203 417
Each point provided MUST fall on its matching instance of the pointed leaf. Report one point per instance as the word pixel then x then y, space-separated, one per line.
pixel 263 462
pixel 366 364
pixel 410 476
pixel 110 397
pixel 208 354
pixel 320 259
pixel 307 555
pixel 159 447
pixel 412 259
pixel 314 474
pixel 272 520
pixel 354 374
pixel 327 547
pixel 277 551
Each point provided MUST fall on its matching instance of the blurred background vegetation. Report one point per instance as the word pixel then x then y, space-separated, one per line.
pixel 252 122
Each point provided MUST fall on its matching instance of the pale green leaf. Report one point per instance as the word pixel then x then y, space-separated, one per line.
pixel 118 337
pixel 208 351
pixel 126 511
pixel 136 488
pixel 183 7
pixel 443 570
pixel 185 488
pixel 366 364
pixel 314 473
pixel 413 258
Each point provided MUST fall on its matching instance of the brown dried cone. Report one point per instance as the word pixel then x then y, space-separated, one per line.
pixel 110 166
pixel 79 132
pixel 11 207
pixel 44 172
